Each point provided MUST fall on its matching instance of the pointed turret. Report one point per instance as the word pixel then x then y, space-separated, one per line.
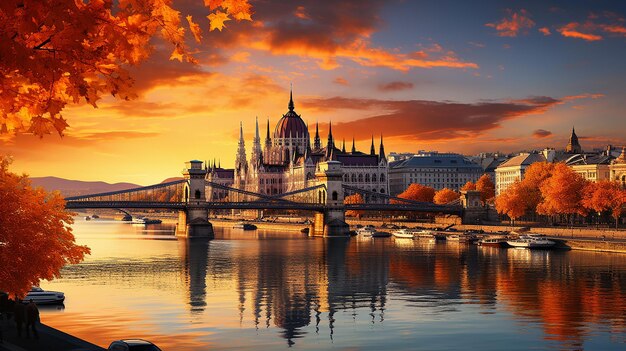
pixel 256 145
pixel 343 146
pixel 291 106
pixel 240 161
pixel 573 146
pixel 330 134
pixel 372 149
pixel 317 143
pixel 353 146
pixel 622 157
pixel 381 150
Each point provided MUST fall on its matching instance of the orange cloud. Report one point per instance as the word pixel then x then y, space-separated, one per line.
pixel 419 120
pixel 395 86
pixel 511 27
pixel 541 133
pixel 545 30
pixel 341 81
pixel 571 30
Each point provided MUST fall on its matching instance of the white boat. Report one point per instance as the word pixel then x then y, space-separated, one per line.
pixel 532 241
pixel 366 231
pixel 42 297
pixel 404 233
pixel 146 220
pixel 425 233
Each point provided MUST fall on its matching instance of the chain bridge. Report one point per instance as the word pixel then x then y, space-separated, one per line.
pixel 193 197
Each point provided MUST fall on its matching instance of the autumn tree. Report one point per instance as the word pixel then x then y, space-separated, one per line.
pixel 417 192
pixel 354 199
pixel 445 196
pixel 468 186
pixel 59 52
pixel 562 192
pixel 534 177
pixel 36 240
pixel 512 201
pixel 487 188
pixel 604 196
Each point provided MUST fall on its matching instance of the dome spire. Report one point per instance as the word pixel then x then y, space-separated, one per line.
pixel 291 106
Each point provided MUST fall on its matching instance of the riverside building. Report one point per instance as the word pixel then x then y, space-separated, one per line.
pixel 433 169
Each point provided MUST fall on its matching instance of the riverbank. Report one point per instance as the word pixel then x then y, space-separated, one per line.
pixel 50 339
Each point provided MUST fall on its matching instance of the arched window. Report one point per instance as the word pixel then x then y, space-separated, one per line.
pixel 335 196
pixel 360 178
pixel 367 178
pixel 345 177
pixel 353 178
pixel 186 194
pixel 382 177
pixel 319 196
pixel 197 194
pixel 374 177
pixel 382 191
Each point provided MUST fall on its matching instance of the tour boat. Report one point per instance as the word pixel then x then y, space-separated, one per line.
pixel 404 233
pixel 366 231
pixel 532 241
pixel 493 242
pixel 42 297
pixel 463 238
pixel 380 234
pixel 244 226
pixel 146 220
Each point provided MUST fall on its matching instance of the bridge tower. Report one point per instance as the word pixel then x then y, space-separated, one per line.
pixel 192 221
pixel 332 221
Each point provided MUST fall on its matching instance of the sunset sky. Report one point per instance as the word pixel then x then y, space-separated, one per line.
pixel 458 76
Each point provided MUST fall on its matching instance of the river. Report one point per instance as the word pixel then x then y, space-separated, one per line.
pixel 267 290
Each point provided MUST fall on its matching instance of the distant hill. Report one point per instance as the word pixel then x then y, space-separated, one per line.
pixel 77 187
pixel 172 179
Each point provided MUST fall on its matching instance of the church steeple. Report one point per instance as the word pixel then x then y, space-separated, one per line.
pixel 343 146
pixel 353 146
pixel 240 161
pixel 331 141
pixel 381 152
pixel 372 149
pixel 317 143
pixel 291 106
pixel 573 146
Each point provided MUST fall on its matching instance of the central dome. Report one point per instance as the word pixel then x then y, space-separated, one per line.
pixel 290 124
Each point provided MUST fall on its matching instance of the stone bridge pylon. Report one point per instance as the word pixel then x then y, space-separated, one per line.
pixel 193 220
pixel 332 221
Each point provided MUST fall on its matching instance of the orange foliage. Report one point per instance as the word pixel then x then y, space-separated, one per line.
pixel 562 192
pixel 354 199
pixel 445 195
pixel 35 238
pixel 56 52
pixel 604 196
pixel 487 188
pixel 468 186
pixel 417 192
pixel 534 177
pixel 512 202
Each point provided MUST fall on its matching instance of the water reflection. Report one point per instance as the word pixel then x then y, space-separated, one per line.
pixel 253 290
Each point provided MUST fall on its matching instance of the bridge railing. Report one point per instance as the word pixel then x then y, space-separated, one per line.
pixel 164 192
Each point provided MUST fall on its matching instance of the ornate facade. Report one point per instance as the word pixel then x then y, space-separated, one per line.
pixel 287 160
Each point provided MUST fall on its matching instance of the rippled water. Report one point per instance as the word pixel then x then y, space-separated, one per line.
pixel 269 290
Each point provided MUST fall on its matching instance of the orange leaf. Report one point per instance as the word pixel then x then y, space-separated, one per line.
pixel 39 126
pixel 177 54
pixel 195 29
pixel 59 124
pixel 213 4
pixel 217 20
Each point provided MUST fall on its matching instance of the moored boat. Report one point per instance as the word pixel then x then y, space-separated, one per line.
pixel 532 241
pixel 404 233
pixel 381 234
pixel 424 233
pixel 493 242
pixel 246 226
pixel 43 297
pixel 146 220
pixel 366 231
pixel 87 218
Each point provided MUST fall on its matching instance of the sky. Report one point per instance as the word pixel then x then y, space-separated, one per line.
pixel 453 76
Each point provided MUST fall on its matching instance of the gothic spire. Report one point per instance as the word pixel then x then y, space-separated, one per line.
pixel 353 147
pixel 372 149
pixel 381 152
pixel 291 107
pixel 317 143
pixel 240 161
pixel 343 146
